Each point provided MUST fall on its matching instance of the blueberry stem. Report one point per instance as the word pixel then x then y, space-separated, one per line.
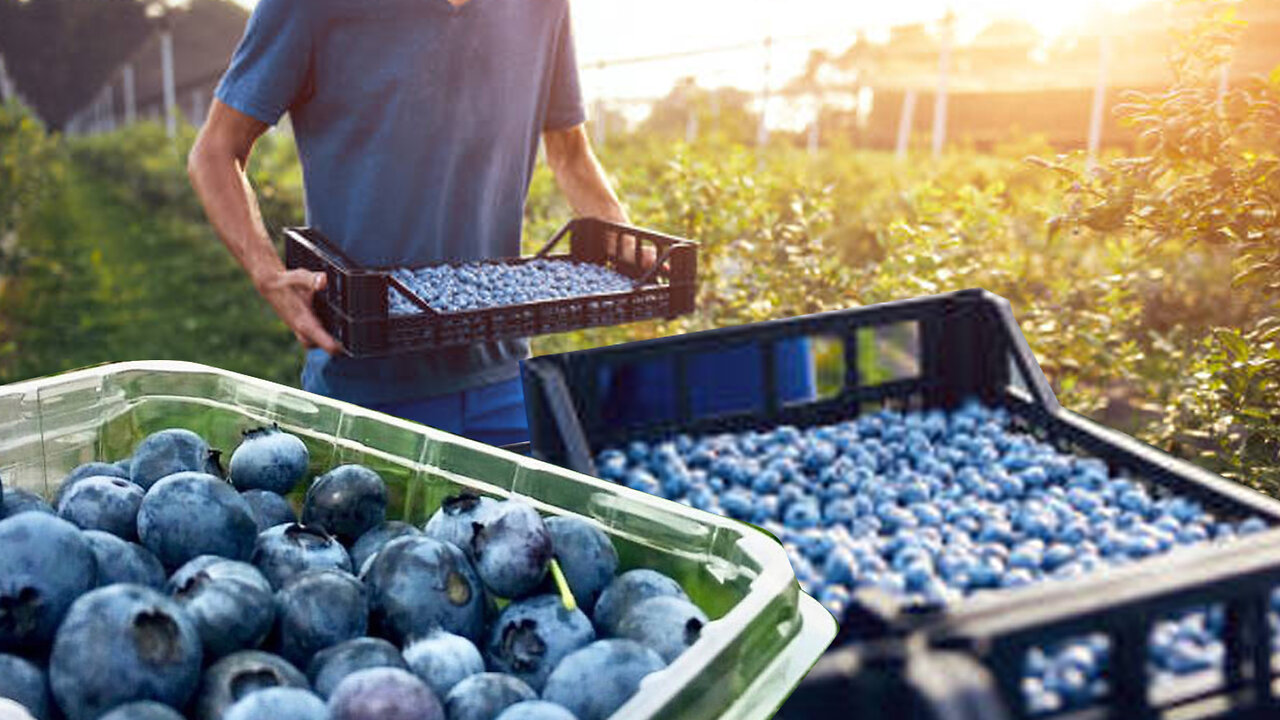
pixel 566 595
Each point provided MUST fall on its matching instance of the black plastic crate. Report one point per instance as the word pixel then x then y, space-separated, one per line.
pixel 355 307
pixel 966 659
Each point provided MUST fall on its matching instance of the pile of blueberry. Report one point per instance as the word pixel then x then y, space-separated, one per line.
pixel 934 507
pixel 160 587
pixel 473 286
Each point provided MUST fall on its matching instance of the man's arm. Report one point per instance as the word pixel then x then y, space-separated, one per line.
pixel 583 182
pixel 216 167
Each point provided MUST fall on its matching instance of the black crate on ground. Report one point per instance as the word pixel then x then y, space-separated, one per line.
pixel 966 660
pixel 355 305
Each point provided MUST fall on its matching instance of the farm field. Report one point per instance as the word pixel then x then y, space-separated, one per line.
pixel 1146 287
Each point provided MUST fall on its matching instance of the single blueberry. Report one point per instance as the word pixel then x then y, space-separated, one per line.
pixel 531 636
pixel 512 547
pixel 119 561
pixel 385 694
pixel 119 644
pixel 165 453
pixel 347 501
pixel 25 683
pixel 628 589
pixel 17 500
pixel 536 710
pixel 269 509
pixel 230 602
pixel 318 609
pixel 88 470
pixel 442 660
pixel 45 565
pixel 485 695
pixel 592 683
pixel 279 704
pixel 668 625
pixel 331 665
pixel 586 556
pixel 268 459
pixel 418 583
pixel 284 551
pixel 240 675
pixel 189 514
pixel 103 503
pixel 372 541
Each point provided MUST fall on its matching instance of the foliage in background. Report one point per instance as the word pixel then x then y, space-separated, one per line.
pixel 1206 180
pixel 1121 277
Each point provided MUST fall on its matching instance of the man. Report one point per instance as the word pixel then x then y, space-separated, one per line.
pixel 417 124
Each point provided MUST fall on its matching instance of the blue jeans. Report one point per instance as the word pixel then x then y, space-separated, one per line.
pixel 492 414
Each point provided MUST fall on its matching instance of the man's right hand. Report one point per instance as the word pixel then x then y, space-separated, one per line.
pixel 216 166
pixel 290 292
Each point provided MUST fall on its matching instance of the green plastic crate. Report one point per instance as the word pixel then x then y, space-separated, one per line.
pixel 765 633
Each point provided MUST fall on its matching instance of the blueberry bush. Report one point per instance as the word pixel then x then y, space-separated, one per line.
pixel 1146 285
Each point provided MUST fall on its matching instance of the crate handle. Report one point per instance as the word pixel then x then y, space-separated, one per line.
pixel 395 282
pixel 654 269
pixel 555 239
pixel 559 401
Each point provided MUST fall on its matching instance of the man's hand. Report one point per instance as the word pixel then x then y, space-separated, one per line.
pixel 583 182
pixel 217 170
pixel 290 293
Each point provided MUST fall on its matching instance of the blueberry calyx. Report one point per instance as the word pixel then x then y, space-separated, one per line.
pixel 192 585
pixel 692 631
pixel 157 637
pixel 20 613
pixel 308 536
pixel 251 681
pixel 463 502
pixel 214 462
pixel 260 431
pixel 521 643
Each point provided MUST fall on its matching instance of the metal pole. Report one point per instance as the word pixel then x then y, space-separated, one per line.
pixel 813 127
pixel 111 108
pixel 762 132
pixel 602 132
pixel 166 59
pixel 197 106
pixel 905 120
pixel 130 100
pixel 940 99
pixel 1099 99
pixel 6 87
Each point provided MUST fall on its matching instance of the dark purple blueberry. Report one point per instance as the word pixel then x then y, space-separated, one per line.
pixel 240 675
pixel 230 602
pixel 384 694
pixel 417 584
pixel 189 514
pixel 119 644
pixel 347 501
pixel 319 609
pixel 284 551
pixel 45 564
pixel 512 548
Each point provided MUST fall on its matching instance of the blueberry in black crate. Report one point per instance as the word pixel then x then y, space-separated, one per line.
pixel 965 529
pixel 611 274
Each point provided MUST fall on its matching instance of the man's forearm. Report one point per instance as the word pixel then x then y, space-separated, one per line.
pixel 232 208
pixel 580 176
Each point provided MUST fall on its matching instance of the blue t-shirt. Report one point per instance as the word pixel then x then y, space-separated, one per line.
pixel 417 125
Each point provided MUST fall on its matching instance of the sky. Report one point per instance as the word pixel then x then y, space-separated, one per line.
pixel 608 30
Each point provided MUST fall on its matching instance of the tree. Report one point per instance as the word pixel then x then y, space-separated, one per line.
pixel 61 51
